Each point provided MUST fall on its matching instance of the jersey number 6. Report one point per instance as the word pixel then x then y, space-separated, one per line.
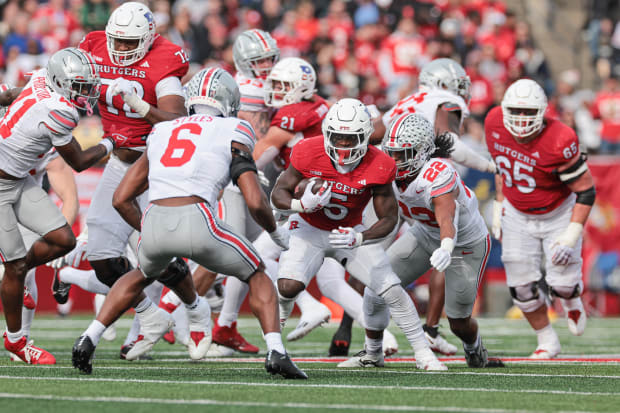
pixel 180 151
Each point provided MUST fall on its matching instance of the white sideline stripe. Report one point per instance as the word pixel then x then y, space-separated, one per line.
pixel 135 368
pixel 318 386
pixel 262 404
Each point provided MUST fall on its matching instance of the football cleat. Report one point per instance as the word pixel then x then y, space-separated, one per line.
pixel 169 337
pixel 278 363
pixel 110 333
pixel 82 354
pixel 341 341
pixel 426 360
pixel 479 358
pixel 546 352
pixel 28 299
pixel 153 326
pixel 25 351
pixel 60 290
pixel 230 337
pixel 309 321
pixel 576 321
pixel 169 300
pixel 199 329
pixel 215 350
pixel 125 349
pixel 364 359
pixel 438 343
pixel 390 345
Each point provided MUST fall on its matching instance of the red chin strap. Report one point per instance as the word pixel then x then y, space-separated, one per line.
pixel 342 155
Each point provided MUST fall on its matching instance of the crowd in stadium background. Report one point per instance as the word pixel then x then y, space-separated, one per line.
pixel 372 50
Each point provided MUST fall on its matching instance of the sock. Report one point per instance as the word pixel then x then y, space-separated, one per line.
pixel 405 316
pixel 306 302
pixel 99 299
pixel 572 304
pixel 193 305
pixel 346 323
pixel 28 315
pixel 86 280
pixel 14 337
pixel 286 308
pixel 547 335
pixel 236 290
pixel 331 283
pixel 132 335
pixel 431 331
pixel 144 305
pixel 94 331
pixel 274 342
pixel 373 345
pixel 473 346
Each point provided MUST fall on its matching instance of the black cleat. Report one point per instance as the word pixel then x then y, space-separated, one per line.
pixel 283 365
pixel 82 354
pixel 479 358
pixel 341 341
pixel 60 290
pixel 125 349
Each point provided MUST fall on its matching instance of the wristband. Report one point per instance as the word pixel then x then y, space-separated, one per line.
pixel 571 234
pixel 137 104
pixel 108 144
pixel 447 244
pixel 296 205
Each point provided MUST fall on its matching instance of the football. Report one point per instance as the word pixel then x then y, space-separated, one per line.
pixel 301 187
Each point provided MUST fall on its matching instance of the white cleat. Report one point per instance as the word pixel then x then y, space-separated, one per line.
pixel 390 345
pixel 426 360
pixel 153 326
pixel 363 359
pixel 199 330
pixel 308 322
pixel 219 351
pixel 546 352
pixel 110 333
pixel 440 345
pixel 577 321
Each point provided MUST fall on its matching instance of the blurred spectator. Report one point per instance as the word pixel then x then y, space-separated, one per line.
pixel 94 14
pixel 19 37
pixel 56 26
pixel 606 107
pixel 481 88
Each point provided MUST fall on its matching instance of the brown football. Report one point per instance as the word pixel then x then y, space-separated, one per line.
pixel 301 187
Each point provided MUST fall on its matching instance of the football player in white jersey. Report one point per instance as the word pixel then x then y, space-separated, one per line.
pixel 181 221
pixel 41 117
pixel 447 233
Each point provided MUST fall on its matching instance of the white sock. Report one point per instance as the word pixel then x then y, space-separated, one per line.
pixel 405 316
pixel 132 335
pixel 286 308
pixel 86 280
pixel 274 342
pixel 14 337
pixel 235 293
pixel 306 302
pixel 144 305
pixel 547 335
pixel 99 299
pixel 373 345
pixel 28 315
pixel 94 331
pixel 572 304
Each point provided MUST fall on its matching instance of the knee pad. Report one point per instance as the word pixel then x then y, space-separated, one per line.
pixel 565 292
pixel 527 297
pixel 376 313
pixel 174 273
pixel 117 267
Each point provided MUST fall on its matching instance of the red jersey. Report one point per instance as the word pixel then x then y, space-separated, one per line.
pixel 528 170
pixel 165 59
pixel 303 119
pixel 351 191
pixel 606 106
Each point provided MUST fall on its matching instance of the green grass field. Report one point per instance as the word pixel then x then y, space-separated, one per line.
pixel 170 382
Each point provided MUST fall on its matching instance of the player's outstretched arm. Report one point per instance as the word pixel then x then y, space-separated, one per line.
pixel 79 159
pixel 269 147
pixel 446 214
pixel 260 121
pixel 134 183
pixel 386 209
pixel 62 182
pixel 168 108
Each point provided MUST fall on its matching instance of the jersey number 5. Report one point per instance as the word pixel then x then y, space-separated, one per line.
pixel 180 151
pixel 503 164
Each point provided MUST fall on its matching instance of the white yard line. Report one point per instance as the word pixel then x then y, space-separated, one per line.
pixel 262 404
pixel 318 386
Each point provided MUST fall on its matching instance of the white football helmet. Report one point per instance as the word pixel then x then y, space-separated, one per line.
pixel 215 88
pixel 524 94
pixel 130 21
pixel 410 141
pixel 252 46
pixel 346 130
pixel 446 74
pixel 291 80
pixel 73 73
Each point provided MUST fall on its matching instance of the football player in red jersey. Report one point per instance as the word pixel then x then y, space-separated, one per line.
pixel 141 85
pixel 545 194
pixel 328 223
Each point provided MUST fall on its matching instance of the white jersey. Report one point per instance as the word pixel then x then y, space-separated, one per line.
pixel 37 120
pixel 252 93
pixel 425 103
pixel 191 156
pixel 438 177
pixel 40 167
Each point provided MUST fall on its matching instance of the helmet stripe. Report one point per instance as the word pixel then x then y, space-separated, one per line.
pixel 91 61
pixel 396 126
pixel 262 39
pixel 206 80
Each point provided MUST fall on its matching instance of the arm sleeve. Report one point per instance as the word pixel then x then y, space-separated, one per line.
pixel 169 86
pixel 466 156
pixel 59 126
pixel 446 182
pixel 244 134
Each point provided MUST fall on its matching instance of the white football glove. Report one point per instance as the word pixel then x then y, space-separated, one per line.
pixel 442 256
pixel 563 247
pixel 125 88
pixel 496 224
pixel 345 237
pixel 313 202
pixel 280 236
pixel 492 168
pixel 73 258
